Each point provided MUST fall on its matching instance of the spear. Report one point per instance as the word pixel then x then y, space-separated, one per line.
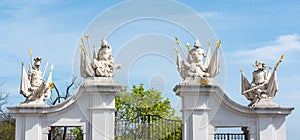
pixel 82 49
pixel 218 44
pixel 277 64
pixel 188 46
pixel 45 69
pixel 178 43
pixel 89 43
pixel 176 50
pixel 30 54
pixel 87 38
pixel 82 41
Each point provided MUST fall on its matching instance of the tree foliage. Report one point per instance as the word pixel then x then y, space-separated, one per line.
pixel 78 133
pixel 144 114
pixel 7 120
pixel 140 102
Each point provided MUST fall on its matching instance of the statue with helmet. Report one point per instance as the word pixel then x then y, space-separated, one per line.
pixel 195 66
pixel 102 64
pixel 263 87
pixel 33 87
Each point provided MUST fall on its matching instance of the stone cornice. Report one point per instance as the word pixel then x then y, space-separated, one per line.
pixel 90 85
pixel 183 89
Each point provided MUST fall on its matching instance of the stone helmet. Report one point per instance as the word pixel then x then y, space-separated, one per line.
pixel 105 52
pixel 37 61
pixel 104 44
pixel 260 65
pixel 197 43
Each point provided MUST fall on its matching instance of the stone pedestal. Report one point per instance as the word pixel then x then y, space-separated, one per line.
pixel 195 109
pixel 102 92
pixel 265 102
pixel 91 107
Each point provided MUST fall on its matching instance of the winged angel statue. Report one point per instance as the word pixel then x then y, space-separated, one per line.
pixel 33 87
pixel 263 87
pixel 100 64
pixel 195 66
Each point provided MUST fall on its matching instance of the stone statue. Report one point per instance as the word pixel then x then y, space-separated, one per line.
pixel 195 66
pixel 263 86
pixel 33 87
pixel 102 64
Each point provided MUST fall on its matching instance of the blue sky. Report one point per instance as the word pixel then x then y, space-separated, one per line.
pixel 249 30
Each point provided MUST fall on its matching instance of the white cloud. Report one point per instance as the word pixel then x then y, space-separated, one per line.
pixel 283 44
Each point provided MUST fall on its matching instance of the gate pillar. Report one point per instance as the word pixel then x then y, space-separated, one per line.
pixel 271 127
pixel 102 92
pixel 195 117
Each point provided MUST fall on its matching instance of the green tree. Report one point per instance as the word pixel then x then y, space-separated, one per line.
pixel 7 120
pixel 140 102
pixel 144 114
pixel 78 132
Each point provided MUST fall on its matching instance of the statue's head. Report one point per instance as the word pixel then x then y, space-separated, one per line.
pixel 260 65
pixel 105 51
pixel 104 44
pixel 37 61
pixel 197 44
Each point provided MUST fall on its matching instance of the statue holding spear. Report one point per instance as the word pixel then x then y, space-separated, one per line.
pixel 33 87
pixel 195 65
pixel 262 86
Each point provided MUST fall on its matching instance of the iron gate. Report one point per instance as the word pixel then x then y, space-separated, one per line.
pixel 148 128
pixel 230 136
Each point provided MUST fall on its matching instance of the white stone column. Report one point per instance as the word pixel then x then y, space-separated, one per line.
pixel 271 127
pixel 195 110
pixel 102 92
pixel 28 127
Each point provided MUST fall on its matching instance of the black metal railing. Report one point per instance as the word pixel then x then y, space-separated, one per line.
pixel 148 128
pixel 230 136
